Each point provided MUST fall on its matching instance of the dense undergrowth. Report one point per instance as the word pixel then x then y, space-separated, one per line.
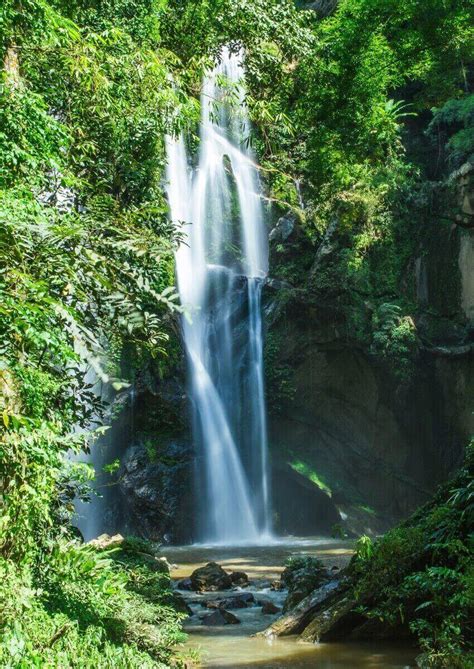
pixel 86 607
pixel 420 575
pixel 86 254
pixel 88 91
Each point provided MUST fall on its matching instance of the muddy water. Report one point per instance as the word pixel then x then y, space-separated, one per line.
pixel 235 647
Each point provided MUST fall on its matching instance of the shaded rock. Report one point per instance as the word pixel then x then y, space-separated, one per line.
pixel 351 422
pixel 302 507
pixel 154 481
pixel 378 629
pixel 220 617
pixel 240 601
pixel 181 605
pixel 239 578
pixel 211 577
pixel 211 604
pixel 184 584
pixel 226 604
pixel 269 609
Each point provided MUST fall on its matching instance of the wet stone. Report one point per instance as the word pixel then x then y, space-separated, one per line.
pixel 270 609
pixel 184 584
pixel 220 617
pixel 239 578
pixel 241 601
pixel 211 577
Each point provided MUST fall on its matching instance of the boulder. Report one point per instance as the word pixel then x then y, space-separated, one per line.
pixel 184 584
pixel 211 577
pixel 220 617
pixel 229 603
pixel 239 578
pixel 240 601
pixel 154 488
pixel 269 609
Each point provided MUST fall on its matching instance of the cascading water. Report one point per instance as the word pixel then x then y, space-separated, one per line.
pixel 220 268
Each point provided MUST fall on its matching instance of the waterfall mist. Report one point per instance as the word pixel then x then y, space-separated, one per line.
pixel 220 269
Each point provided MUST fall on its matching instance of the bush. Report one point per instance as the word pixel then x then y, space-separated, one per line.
pixel 86 608
pixel 420 575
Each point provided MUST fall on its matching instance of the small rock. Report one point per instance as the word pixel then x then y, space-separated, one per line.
pixel 211 577
pixel 184 584
pixel 106 541
pixel 211 604
pixel 269 609
pixel 240 601
pixel 220 617
pixel 181 605
pixel 239 578
pixel 277 585
pixel 247 597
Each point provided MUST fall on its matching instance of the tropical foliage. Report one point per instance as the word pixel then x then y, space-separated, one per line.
pixel 348 110
pixel 420 574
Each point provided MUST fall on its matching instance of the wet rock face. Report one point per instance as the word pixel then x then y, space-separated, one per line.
pixel 372 449
pixel 301 508
pixel 211 577
pixel 155 491
pixel 369 446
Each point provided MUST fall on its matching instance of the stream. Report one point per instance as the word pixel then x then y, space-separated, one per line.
pixel 233 646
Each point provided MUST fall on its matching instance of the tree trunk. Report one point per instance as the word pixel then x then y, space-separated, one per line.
pixel 11 65
pixel 339 614
pixel 298 618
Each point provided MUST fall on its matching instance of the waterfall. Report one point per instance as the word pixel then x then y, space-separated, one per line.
pixel 220 269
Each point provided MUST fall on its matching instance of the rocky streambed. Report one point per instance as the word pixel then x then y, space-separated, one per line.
pixel 246 610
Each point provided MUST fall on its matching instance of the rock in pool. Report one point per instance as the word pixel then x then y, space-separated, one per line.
pixel 211 577
pixel 239 578
pixel 269 608
pixel 240 601
pixel 220 617
pixel 184 584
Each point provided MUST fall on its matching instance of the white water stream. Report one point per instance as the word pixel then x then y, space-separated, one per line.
pixel 220 269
